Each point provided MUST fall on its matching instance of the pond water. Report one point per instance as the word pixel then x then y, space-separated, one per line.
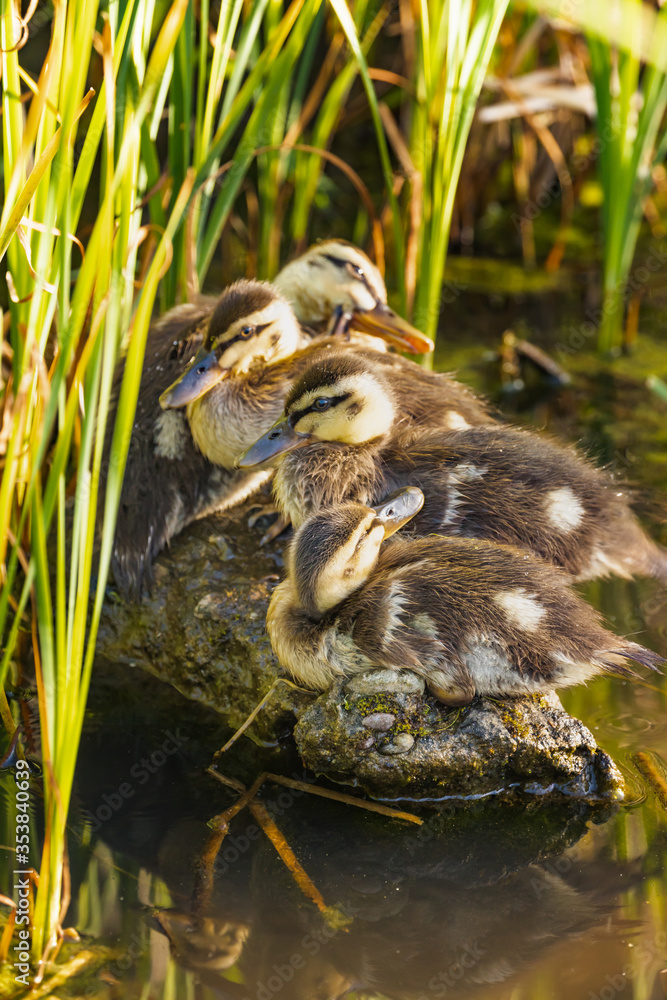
pixel 531 900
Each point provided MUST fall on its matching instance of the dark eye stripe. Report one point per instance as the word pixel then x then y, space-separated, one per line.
pixel 295 415
pixel 335 260
pixel 222 347
pixel 347 264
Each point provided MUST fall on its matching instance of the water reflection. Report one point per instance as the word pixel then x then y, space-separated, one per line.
pixel 467 904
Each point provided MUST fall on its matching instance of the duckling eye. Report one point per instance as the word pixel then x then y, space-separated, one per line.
pixel 354 269
pixel 246 332
pixel 322 404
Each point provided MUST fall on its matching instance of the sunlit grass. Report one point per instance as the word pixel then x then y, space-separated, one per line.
pixel 631 102
pixel 71 308
pixel 628 54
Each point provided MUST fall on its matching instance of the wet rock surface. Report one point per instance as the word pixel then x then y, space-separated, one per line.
pixel 202 631
pixel 529 744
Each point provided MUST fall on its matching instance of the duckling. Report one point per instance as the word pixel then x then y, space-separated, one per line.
pixel 470 616
pixel 335 287
pixel 180 464
pixel 168 481
pixel 344 436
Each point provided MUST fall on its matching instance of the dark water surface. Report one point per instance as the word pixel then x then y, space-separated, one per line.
pixel 528 901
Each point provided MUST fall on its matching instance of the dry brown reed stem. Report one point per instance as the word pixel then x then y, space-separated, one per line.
pixel 287 856
pixel 220 823
pixel 312 102
pixel 555 154
pixel 303 786
pixel 253 715
pixel 632 320
pixel 349 800
pixel 522 167
pixel 205 874
pixel 8 929
pixel 395 79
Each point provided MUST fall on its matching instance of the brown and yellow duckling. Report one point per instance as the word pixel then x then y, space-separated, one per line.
pixel 335 289
pixel 227 359
pixel 471 617
pixel 344 436
pixel 335 286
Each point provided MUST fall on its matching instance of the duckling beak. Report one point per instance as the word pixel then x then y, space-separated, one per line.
pixel 398 509
pixel 384 322
pixel 204 372
pixel 279 439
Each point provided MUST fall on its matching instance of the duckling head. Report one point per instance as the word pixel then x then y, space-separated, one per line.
pixel 342 398
pixel 252 323
pixel 335 551
pixel 335 276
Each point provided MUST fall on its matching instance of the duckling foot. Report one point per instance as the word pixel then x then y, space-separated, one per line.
pixel 263 510
pixel 452 697
pixel 279 525
pixel 339 324
pixel 277 528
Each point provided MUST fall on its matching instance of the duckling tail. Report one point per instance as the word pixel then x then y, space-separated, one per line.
pixel 645 656
pixel 612 659
pixel 628 551
pixel 644 556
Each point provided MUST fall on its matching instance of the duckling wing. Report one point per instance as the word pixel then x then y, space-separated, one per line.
pixel 506 618
pixel 524 489
pixel 394 630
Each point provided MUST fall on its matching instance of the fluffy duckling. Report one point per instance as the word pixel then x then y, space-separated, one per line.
pixel 180 462
pixel 344 437
pixel 335 287
pixel 334 284
pixel 470 616
pixel 168 481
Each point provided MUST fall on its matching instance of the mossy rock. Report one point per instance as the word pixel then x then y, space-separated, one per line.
pixel 491 747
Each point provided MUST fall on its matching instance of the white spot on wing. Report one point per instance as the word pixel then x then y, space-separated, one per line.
pixel 425 625
pixel 171 435
pixel 394 607
pixel 568 671
pixel 605 564
pixel 463 473
pixel 522 609
pixel 455 421
pixel 564 510
pixel 491 670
